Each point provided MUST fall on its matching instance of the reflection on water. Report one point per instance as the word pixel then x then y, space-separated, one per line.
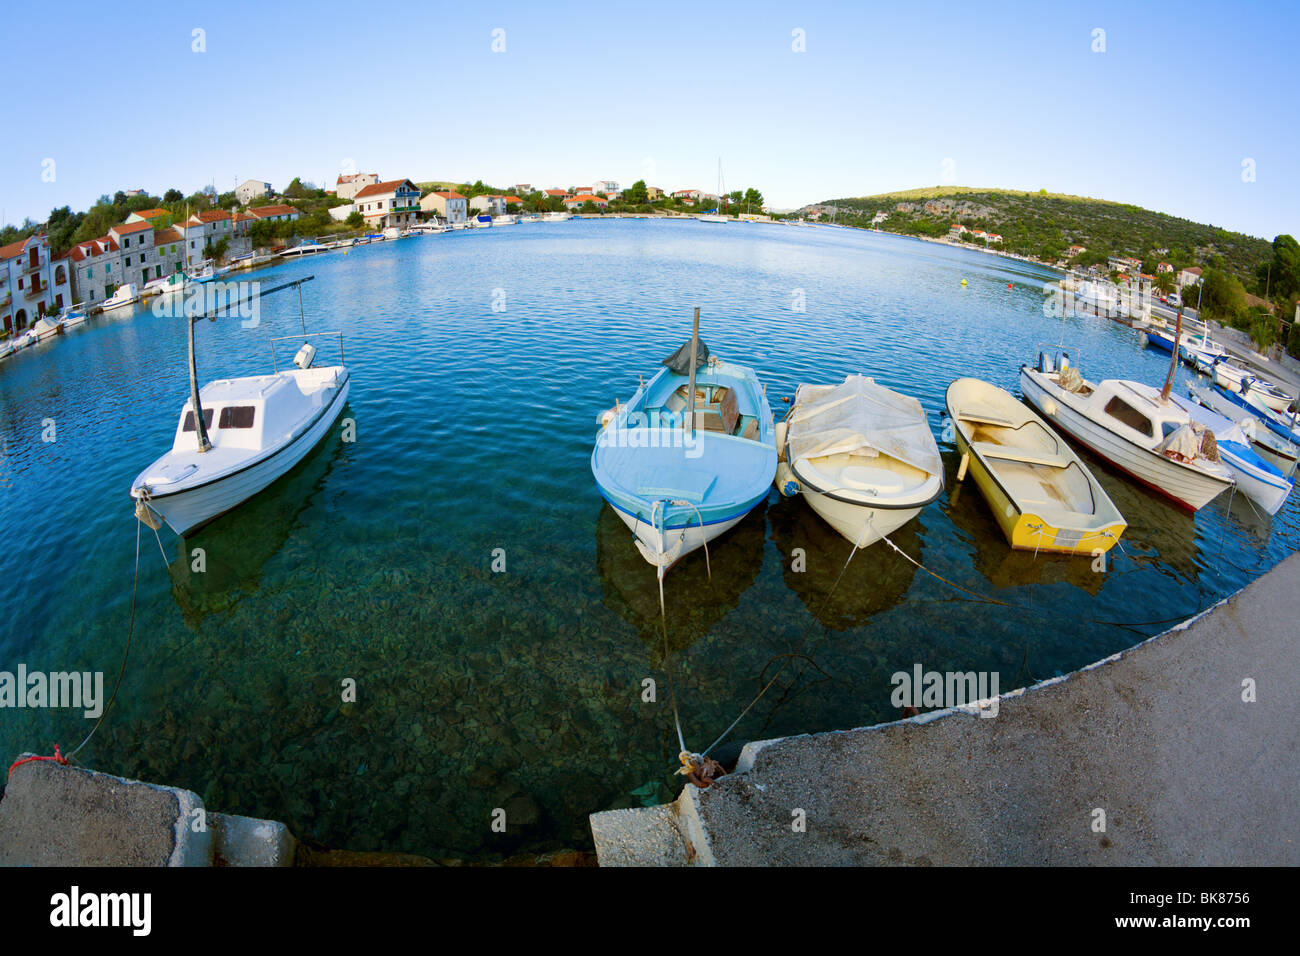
pixel 523 688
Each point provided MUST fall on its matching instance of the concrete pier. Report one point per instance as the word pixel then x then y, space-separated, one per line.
pixel 1180 751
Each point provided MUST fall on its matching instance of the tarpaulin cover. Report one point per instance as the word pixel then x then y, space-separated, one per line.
pixel 680 361
pixel 863 418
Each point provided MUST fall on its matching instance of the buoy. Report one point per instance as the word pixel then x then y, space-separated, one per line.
pixel 961 469
pixel 1049 406
pixel 780 440
pixel 1008 285
pixel 786 482
pixel 963 281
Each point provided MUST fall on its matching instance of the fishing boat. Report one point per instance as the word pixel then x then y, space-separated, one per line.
pixel 508 219
pixel 1040 492
pixel 238 435
pixel 205 272
pixel 688 455
pixel 17 342
pixel 557 216
pixel 1197 349
pixel 123 295
pixel 1257 478
pixel 1236 378
pixel 482 222
pixel 167 285
pixel 1273 437
pixel 862 456
pixel 1128 425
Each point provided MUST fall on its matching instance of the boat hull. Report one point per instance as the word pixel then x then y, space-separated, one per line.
pixel 1264 488
pixel 187 511
pixel 861 525
pixel 1187 487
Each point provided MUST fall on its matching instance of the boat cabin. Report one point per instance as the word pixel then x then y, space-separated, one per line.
pixel 252 413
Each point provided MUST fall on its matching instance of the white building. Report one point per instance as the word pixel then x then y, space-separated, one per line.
pixel 392 203
pixel 279 213
pixel 606 186
pixel 451 206
pixel 492 205
pixel 30 283
pixel 127 253
pixel 251 189
pixel 347 187
pixel 1189 276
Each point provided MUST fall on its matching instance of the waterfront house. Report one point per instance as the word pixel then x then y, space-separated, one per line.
pixel 576 202
pixel 1123 264
pixel 139 259
pixel 451 206
pixel 251 189
pixel 1189 276
pixel 492 205
pixel 691 194
pixel 993 237
pixel 392 203
pixel 31 284
pixel 653 193
pixel 1075 251
pixel 524 189
pixel 583 191
pixel 278 213
pixel 95 267
pixel 956 232
pixel 169 252
pixel 347 187
pixel 556 194
pixel 606 186
pixel 513 203
pixel 879 217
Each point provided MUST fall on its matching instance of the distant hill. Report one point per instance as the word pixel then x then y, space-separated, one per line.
pixel 1045 225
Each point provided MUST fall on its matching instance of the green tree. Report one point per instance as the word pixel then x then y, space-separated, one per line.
pixel 636 193
pixel 295 189
pixel 753 200
pixel 355 220
pixel 173 195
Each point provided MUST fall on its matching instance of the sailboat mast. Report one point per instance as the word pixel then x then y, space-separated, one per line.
pixel 199 427
pixel 1173 361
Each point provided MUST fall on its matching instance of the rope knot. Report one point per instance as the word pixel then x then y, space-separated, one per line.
pixel 700 770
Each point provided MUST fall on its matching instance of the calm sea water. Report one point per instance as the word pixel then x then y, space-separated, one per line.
pixel 474 426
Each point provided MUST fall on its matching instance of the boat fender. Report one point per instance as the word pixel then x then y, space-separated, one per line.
pixel 781 428
pixel 786 482
pixel 1049 407
pixel 609 414
pixel 961 469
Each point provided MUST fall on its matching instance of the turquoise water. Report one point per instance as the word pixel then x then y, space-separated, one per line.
pixel 522 689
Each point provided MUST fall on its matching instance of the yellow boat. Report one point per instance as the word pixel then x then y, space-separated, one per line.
pixel 1041 493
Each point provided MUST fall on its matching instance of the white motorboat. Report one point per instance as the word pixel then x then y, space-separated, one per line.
pixel 247 433
pixel 1272 437
pixel 557 216
pixel 1197 349
pixel 167 285
pixel 205 272
pixel 47 326
pixel 1126 424
pixel 17 342
pixel 72 315
pixel 1235 378
pixel 1257 478
pixel 123 295
pixel 308 248
pixel 862 456
pixel 506 219
pixel 712 217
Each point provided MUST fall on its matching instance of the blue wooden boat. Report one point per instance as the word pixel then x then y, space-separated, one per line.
pixel 678 487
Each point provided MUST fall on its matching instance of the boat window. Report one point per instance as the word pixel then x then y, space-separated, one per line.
pixel 189 420
pixel 237 416
pixel 1121 411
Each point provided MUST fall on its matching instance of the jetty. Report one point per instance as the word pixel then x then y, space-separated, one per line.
pixel 1183 750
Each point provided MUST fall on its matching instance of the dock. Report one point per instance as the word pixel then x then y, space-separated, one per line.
pixel 1183 750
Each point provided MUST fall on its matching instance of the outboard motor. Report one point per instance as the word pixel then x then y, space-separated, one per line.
pixel 306 355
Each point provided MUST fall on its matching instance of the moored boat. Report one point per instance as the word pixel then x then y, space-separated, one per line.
pixel 862 456
pixel 236 436
pixel 1257 478
pixel 1126 424
pixel 1236 378
pixel 1041 493
pixel 123 295
pixel 1273 439
pixel 675 486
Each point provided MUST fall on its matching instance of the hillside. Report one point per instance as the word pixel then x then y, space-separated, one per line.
pixel 1045 225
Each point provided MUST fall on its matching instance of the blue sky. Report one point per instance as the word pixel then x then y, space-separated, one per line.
pixel 1012 94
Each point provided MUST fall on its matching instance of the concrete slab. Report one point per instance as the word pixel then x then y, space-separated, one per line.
pixel 54 815
pixel 1160 739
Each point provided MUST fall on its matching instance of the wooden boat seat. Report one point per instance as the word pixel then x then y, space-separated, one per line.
pixel 1026 457
pixel 984 416
pixel 718 416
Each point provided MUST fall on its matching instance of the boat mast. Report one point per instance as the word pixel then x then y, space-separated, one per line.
pixel 199 427
pixel 1173 361
pixel 695 344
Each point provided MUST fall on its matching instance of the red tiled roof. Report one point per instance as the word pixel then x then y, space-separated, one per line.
pixel 1194 270
pixel 379 189
pixel 263 212
pixel 513 199
pixel 16 248
pixel 448 195
pixel 126 228
pixel 166 235
pixel 586 197
pixel 213 215
pixel 152 213
pixel 556 192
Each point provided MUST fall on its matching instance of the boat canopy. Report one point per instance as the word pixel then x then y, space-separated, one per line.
pixel 860 417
